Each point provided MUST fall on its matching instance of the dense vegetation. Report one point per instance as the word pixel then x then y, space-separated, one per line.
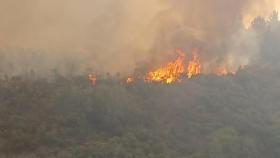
pixel 208 116
pixel 64 116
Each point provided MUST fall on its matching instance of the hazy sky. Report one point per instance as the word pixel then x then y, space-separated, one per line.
pixel 114 34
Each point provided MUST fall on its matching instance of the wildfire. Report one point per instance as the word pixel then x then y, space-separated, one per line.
pixel 175 70
pixel 129 80
pixel 168 73
pixel 172 71
pixel 92 78
pixel 193 67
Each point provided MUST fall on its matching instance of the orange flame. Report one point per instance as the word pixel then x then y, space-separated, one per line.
pixel 92 78
pixel 168 73
pixel 172 71
pixel 129 80
pixel 193 67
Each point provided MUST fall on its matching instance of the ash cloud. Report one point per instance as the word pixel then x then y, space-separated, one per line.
pixel 113 35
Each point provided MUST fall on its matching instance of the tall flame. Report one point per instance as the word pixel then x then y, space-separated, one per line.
pixel 172 71
pixel 168 73
pixel 176 69
pixel 193 67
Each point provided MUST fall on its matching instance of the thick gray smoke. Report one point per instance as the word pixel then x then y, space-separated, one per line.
pixel 113 35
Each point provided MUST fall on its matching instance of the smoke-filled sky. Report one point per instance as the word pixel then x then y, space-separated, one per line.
pixel 113 35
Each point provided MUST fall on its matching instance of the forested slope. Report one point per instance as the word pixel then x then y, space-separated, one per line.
pixel 207 116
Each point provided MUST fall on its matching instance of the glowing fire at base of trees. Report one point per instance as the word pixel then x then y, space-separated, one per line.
pixel 175 70
pixel 194 67
pixel 129 80
pixel 92 78
pixel 167 73
pixel 172 71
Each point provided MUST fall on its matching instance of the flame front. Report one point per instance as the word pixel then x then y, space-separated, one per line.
pixel 175 70
pixel 193 67
pixel 172 71
pixel 168 73
pixel 92 78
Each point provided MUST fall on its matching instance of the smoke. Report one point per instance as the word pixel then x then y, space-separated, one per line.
pixel 217 28
pixel 113 35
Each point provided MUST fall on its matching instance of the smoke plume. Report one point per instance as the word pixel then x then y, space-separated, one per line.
pixel 113 35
